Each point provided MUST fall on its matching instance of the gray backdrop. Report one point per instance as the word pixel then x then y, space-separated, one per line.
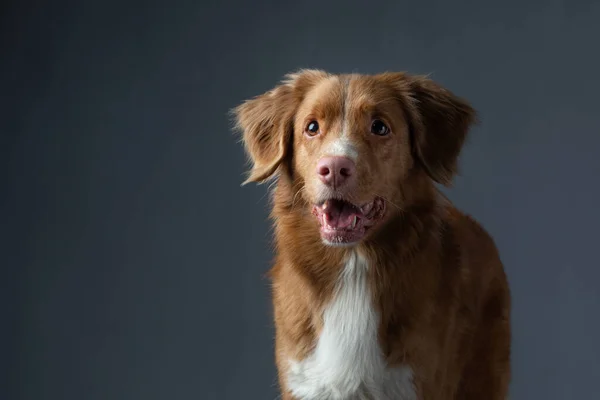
pixel 133 262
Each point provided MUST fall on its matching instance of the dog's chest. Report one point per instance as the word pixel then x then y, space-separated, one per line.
pixel 347 362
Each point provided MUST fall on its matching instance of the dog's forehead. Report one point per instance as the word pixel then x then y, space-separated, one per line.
pixel 339 94
pixel 369 93
pixel 326 98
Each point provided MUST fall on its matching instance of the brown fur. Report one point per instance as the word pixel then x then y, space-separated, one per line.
pixel 437 279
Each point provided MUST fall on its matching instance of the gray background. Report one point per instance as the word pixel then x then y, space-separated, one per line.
pixel 133 263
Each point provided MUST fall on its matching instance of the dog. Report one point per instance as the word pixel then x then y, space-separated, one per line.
pixel 381 288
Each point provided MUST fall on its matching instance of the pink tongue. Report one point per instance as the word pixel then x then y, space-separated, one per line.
pixel 340 216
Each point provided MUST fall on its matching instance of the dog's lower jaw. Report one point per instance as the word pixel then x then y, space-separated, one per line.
pixel 343 224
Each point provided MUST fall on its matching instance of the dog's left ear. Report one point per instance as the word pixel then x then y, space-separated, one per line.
pixel 439 123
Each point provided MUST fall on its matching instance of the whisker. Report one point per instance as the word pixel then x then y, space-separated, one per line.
pixel 391 202
pixel 299 191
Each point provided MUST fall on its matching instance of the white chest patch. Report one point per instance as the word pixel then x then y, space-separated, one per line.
pixel 347 363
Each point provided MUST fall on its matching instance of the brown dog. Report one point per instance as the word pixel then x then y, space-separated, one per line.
pixel 382 289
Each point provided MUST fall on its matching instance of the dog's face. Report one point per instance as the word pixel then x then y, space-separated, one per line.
pixel 351 142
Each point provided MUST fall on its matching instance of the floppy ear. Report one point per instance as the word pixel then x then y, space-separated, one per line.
pixel 266 123
pixel 439 123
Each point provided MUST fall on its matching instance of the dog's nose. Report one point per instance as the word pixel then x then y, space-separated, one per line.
pixel 335 171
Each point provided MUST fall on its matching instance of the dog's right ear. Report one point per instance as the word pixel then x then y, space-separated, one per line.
pixel 266 123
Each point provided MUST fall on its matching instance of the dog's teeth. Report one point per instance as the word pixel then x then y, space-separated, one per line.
pixel 367 207
pixel 353 222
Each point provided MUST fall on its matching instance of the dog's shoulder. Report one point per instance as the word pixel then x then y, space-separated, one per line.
pixel 479 262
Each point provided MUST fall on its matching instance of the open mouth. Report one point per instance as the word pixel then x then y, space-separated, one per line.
pixel 345 223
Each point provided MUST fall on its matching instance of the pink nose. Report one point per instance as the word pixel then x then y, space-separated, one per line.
pixel 335 171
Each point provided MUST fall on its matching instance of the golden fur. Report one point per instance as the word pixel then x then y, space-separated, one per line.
pixel 437 279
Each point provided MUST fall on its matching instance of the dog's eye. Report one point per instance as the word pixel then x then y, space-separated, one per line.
pixel 312 128
pixel 379 128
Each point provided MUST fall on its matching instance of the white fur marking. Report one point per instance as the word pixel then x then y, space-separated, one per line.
pixel 342 147
pixel 347 363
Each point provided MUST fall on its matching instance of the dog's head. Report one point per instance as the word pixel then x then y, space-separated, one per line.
pixel 351 142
